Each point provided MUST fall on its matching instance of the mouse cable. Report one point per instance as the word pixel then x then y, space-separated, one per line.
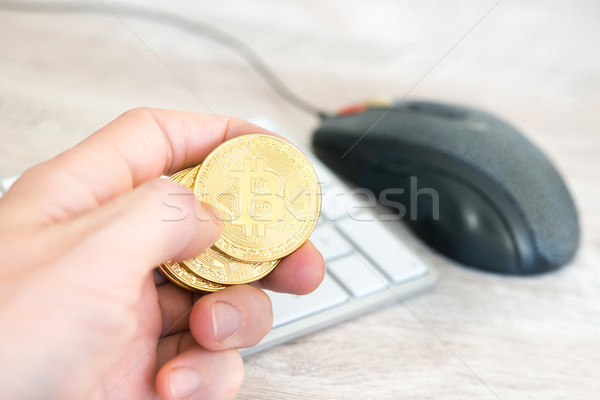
pixel 179 22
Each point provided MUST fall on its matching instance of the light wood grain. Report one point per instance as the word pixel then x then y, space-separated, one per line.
pixel 536 63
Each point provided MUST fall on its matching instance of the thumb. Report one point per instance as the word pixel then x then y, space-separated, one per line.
pixel 130 235
pixel 90 293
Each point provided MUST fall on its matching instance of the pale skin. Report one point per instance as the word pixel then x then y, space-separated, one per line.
pixel 83 312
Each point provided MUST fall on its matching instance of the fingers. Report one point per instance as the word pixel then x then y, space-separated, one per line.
pixel 239 316
pixel 196 373
pixel 138 146
pixel 175 306
pixel 130 235
pixel 299 273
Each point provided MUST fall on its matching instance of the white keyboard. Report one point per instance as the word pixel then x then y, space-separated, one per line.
pixel 368 266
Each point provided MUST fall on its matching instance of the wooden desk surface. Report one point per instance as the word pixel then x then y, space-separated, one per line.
pixel 536 63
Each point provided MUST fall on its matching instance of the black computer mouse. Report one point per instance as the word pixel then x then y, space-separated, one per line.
pixel 470 185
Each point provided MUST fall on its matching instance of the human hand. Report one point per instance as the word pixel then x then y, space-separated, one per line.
pixel 83 313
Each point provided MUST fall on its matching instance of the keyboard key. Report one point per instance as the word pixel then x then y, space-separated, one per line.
pixel 329 242
pixel 338 202
pixel 383 248
pixel 289 307
pixel 7 182
pixel 357 275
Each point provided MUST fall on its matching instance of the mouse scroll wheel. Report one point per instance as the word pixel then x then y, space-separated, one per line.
pixel 374 102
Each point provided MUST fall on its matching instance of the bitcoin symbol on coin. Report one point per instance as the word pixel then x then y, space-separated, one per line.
pixel 268 194
pixel 260 201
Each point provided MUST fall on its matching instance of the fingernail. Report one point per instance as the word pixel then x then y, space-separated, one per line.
pixel 184 381
pixel 226 320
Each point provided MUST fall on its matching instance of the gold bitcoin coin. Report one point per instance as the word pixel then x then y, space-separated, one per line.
pixel 183 277
pixel 189 178
pixel 267 193
pixel 165 269
pixel 212 265
pixel 177 272
pixel 218 267
pixel 178 175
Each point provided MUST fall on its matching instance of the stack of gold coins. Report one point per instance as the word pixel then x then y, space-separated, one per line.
pixel 269 199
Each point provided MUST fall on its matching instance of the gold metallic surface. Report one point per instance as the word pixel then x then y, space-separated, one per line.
pixel 267 193
pixel 186 279
pixel 166 271
pixel 218 267
pixel 177 272
pixel 269 198
pixel 178 175
pixel 187 180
